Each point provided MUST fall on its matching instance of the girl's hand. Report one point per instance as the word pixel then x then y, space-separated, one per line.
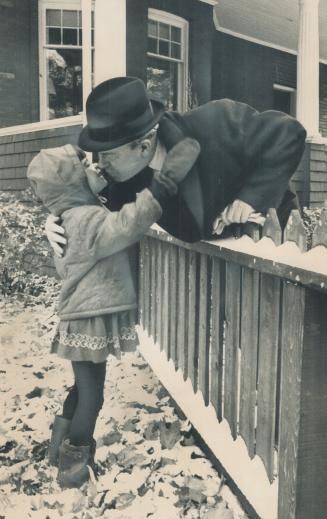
pixel 55 234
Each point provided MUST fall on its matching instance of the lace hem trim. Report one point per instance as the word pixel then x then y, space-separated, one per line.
pixel 79 340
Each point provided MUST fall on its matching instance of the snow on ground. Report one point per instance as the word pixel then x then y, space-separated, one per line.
pixel 148 464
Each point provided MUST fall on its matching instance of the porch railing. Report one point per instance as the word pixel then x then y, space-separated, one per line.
pixel 237 331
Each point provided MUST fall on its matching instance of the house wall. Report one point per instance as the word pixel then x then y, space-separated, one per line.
pixel 246 72
pixel 201 36
pixel 16 152
pixel 318 174
pixel 18 62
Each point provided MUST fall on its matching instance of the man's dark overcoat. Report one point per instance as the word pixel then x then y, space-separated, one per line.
pixel 244 154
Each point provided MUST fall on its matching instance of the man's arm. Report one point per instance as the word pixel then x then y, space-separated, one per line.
pixel 273 147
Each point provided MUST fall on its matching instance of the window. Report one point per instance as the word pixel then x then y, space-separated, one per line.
pixel 284 99
pixel 61 39
pixel 167 58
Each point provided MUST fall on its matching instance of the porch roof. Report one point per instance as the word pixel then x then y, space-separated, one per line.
pixel 266 22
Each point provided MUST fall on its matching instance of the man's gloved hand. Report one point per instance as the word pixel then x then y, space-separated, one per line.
pixel 178 162
pixel 55 234
pixel 236 212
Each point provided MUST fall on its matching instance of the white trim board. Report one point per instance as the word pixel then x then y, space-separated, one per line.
pixel 232 454
pixel 283 88
pixel 75 120
pixel 210 2
pixel 260 42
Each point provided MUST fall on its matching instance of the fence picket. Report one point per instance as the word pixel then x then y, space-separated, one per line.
pixel 249 357
pixel 295 230
pixel 173 311
pixel 253 230
pixel 147 287
pixel 217 334
pixel 159 293
pixel 181 312
pixel 267 370
pixel 191 367
pixel 203 331
pixel 320 231
pixel 153 280
pixel 292 330
pixel 165 302
pixel 141 295
pixel 232 313
pixel 272 228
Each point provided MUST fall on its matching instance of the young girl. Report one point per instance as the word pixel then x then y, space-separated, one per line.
pixel 97 299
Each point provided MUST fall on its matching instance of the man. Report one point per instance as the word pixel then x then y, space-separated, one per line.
pixel 247 158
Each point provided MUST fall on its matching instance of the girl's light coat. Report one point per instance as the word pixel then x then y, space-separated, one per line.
pixel 95 270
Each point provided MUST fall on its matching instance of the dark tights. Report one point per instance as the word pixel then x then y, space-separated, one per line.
pixel 84 400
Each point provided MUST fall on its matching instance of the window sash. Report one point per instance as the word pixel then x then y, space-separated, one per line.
pixel 62 5
pixel 173 21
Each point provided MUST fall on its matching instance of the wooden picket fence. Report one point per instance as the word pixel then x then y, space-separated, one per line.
pixel 236 330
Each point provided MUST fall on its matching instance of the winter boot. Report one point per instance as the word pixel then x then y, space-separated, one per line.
pixel 60 429
pixel 74 460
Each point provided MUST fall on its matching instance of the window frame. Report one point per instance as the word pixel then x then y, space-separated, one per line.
pixel 292 92
pixel 176 21
pixel 43 6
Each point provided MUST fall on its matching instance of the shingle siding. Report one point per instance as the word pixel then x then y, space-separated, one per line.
pixel 16 152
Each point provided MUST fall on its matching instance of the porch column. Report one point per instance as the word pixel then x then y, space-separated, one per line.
pixel 308 67
pixel 110 39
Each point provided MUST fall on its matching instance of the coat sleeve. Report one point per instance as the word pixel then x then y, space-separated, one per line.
pixel 273 147
pixel 103 237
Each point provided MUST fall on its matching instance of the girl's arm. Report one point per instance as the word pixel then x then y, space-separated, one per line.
pixel 104 236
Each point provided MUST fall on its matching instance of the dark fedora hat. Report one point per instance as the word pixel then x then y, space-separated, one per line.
pixel 118 111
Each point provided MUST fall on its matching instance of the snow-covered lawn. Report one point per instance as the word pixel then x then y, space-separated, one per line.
pixel 148 464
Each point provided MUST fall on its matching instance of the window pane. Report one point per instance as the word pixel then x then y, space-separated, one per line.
pixel 64 82
pixel 175 51
pixel 80 19
pixel 70 19
pixel 162 80
pixel 152 45
pixel 92 19
pixel 53 36
pixel 176 34
pixel 152 28
pixel 164 31
pixel 80 37
pixel 282 101
pixel 164 48
pixel 69 36
pixel 53 17
pixel 92 37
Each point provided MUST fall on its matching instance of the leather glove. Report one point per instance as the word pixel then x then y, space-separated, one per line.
pixel 178 162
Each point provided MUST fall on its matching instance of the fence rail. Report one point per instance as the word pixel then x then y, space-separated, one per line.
pixel 236 330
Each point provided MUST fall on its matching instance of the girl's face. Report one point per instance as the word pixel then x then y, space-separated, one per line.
pixel 95 179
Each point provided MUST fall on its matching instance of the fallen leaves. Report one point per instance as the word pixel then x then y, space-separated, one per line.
pixel 170 433
pixel 148 464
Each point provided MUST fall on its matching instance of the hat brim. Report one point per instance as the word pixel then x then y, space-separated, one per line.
pixel 86 142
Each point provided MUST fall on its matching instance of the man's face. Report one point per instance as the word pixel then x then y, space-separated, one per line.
pixel 126 161
pixel 122 163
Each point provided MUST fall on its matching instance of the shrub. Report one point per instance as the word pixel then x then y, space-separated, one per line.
pixel 22 233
